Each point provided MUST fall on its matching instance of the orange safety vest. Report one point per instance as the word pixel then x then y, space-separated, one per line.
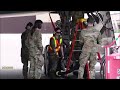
pixel 57 44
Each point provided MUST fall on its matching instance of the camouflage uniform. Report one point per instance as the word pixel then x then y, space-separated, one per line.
pixel 36 57
pixel 89 37
pixel 24 53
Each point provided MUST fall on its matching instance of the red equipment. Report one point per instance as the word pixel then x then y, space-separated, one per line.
pixel 112 62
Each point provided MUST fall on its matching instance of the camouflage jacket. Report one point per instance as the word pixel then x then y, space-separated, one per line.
pixel 34 43
pixel 24 49
pixel 89 38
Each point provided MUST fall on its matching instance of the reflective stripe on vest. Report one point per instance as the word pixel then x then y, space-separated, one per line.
pixel 56 43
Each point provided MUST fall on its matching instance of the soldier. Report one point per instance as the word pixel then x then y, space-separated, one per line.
pixel 90 35
pixel 58 24
pixel 24 49
pixel 55 51
pixel 35 51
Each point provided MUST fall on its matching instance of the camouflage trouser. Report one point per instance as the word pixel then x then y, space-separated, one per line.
pixel 25 70
pixel 53 63
pixel 25 66
pixel 84 57
pixel 36 63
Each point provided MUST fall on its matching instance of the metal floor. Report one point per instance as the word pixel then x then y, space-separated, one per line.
pixel 17 74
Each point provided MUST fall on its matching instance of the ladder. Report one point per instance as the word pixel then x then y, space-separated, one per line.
pixel 73 50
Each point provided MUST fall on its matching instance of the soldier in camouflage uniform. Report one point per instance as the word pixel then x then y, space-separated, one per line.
pixel 35 51
pixel 24 49
pixel 58 24
pixel 89 37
